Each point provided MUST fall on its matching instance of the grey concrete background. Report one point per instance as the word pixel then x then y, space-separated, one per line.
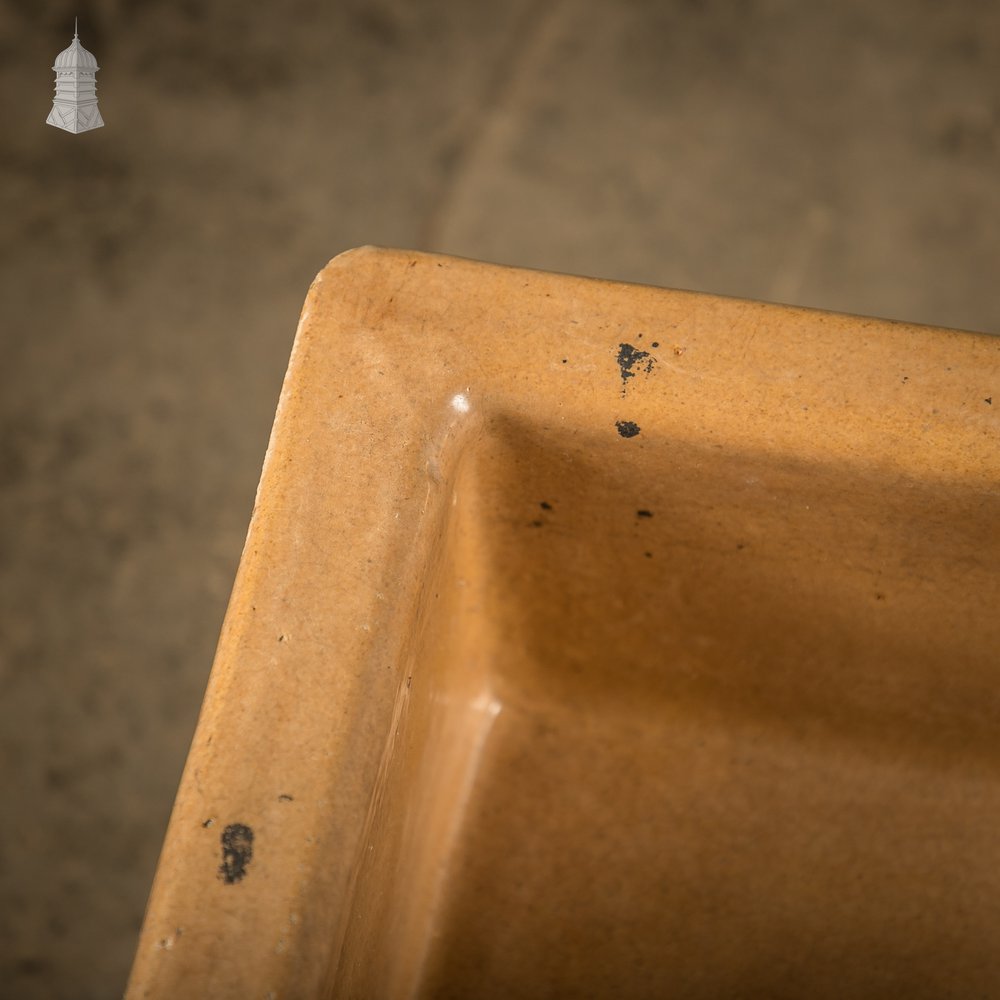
pixel 843 155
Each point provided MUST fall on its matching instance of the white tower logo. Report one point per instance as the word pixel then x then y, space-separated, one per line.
pixel 75 106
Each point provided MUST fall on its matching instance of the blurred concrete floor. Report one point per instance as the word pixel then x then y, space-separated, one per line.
pixel 842 155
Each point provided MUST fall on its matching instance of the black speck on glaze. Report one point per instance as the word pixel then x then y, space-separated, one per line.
pixel 237 852
pixel 644 513
pixel 626 428
pixel 545 505
pixel 628 358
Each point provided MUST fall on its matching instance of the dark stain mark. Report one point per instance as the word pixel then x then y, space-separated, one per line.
pixel 193 9
pixel 964 137
pixel 237 852
pixel 545 505
pixel 628 358
pixel 285 798
pixel 741 545
pixel 565 360
pixel 263 70
pixel 648 555
pixel 989 400
pixel 207 823
pixel 107 248
pixel 626 428
pixel 409 679
pixel 656 343
pixel 537 524
pixel 644 513
pixel 906 378
pixel 58 778
pixel 880 597
pixel 31 966
pixel 377 24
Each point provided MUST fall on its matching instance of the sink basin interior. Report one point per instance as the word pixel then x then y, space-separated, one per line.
pixel 684 721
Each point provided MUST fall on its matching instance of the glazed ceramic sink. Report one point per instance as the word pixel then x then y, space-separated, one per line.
pixel 595 640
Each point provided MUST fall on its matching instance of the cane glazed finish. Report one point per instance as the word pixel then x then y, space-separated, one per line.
pixel 595 640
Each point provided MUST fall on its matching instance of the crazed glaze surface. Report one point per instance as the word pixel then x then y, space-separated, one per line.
pixel 600 640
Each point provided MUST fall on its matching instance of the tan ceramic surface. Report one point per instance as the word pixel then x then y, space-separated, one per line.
pixel 514 704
